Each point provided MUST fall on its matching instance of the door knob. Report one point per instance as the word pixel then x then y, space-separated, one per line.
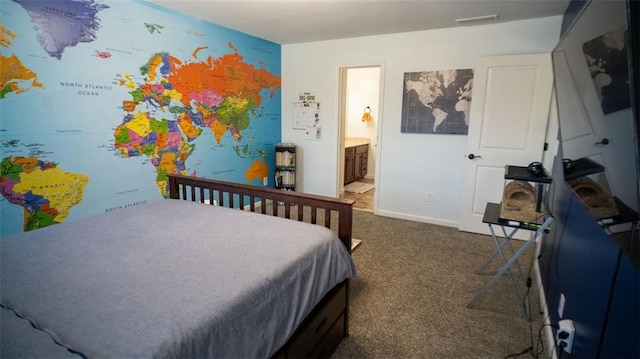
pixel 604 142
pixel 472 156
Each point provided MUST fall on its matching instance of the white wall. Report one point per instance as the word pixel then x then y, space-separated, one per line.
pixel 409 165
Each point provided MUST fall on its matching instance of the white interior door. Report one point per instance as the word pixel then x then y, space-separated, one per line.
pixel 507 126
pixel 588 129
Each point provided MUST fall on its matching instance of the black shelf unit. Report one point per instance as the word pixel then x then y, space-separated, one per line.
pixel 285 166
pixel 522 174
pixel 582 167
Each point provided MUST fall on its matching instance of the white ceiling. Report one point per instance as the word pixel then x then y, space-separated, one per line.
pixel 296 21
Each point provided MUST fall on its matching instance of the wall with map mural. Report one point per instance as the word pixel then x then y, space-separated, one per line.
pixel 100 100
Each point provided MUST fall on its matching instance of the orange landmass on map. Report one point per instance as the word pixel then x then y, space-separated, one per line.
pixel 129 106
pixel 153 65
pixel 258 170
pixel 195 52
pixel 168 162
pixel 6 36
pixel 161 141
pixel 227 75
pixel 12 70
pixel 190 131
pixel 218 128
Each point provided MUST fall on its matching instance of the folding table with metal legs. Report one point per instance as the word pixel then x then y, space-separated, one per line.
pixel 492 217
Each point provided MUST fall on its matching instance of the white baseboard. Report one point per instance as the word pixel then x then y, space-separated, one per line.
pixel 437 221
pixel 548 332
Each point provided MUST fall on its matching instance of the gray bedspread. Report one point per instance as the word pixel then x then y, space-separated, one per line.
pixel 168 279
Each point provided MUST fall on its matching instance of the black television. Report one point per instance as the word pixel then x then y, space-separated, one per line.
pixel 596 78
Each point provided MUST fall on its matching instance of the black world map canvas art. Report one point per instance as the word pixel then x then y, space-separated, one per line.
pixel 606 58
pixel 437 101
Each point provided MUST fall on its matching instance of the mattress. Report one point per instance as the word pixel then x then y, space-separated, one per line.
pixel 167 279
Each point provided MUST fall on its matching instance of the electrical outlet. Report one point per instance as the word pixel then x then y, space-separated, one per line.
pixel 265 181
pixel 565 335
pixel 430 197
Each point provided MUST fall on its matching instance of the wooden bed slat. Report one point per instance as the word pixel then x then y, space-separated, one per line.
pixel 268 200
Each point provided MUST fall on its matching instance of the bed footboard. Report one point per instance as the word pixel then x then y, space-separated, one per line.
pixel 333 213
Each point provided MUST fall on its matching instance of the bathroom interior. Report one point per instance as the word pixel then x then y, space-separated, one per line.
pixel 361 121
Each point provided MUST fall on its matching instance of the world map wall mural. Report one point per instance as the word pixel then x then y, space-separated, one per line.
pixel 437 101
pixel 101 100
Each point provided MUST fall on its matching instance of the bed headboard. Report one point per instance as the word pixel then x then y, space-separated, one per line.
pixel 333 213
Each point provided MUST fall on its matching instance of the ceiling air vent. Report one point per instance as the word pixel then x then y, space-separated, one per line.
pixel 477 19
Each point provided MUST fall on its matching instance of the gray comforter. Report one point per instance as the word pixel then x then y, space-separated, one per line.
pixel 167 279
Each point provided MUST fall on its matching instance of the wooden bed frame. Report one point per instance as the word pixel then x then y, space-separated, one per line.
pixel 322 330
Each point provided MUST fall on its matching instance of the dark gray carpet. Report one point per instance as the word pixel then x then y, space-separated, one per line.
pixel 414 283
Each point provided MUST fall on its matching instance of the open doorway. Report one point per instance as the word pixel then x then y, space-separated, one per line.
pixel 359 122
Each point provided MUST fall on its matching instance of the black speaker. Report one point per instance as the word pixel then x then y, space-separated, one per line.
pixel 536 169
pixel 568 165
